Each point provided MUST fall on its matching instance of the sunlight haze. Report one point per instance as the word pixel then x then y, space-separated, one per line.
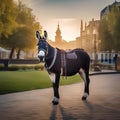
pixel 67 13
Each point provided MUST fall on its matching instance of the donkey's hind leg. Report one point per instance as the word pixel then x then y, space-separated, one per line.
pixel 85 76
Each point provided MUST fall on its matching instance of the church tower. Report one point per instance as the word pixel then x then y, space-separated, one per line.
pixel 81 28
pixel 58 37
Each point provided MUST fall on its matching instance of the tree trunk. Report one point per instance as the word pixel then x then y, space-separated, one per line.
pixel 18 54
pixel 11 53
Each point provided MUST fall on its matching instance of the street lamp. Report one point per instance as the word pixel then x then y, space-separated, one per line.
pixel 95 48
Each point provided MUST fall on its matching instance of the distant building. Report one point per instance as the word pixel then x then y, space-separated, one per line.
pixel 89 38
pixel 58 37
pixel 4 53
pixel 108 9
pixel 60 43
pixel 84 41
pixel 88 35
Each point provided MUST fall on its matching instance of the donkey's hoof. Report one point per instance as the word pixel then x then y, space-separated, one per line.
pixel 84 98
pixel 55 103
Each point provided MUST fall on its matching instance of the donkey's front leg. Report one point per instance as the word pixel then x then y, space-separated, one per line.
pixel 55 81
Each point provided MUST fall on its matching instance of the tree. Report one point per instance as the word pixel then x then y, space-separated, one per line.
pixel 23 35
pixel 109 30
pixel 29 25
pixel 7 17
pixel 20 39
pixel 105 36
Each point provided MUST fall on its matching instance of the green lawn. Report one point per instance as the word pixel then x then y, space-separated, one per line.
pixel 28 80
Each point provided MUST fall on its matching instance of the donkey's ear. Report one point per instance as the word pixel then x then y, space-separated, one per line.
pixel 45 34
pixel 38 35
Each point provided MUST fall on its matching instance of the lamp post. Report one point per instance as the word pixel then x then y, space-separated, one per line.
pixel 95 49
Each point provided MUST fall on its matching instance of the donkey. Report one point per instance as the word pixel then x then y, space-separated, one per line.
pixel 61 63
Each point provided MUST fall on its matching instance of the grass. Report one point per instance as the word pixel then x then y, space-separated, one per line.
pixel 18 81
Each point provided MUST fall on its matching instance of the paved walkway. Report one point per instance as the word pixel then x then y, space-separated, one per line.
pixel 102 104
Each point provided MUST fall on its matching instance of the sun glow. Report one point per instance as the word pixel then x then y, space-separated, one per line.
pixel 70 28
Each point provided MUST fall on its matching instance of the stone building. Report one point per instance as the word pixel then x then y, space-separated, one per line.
pixel 108 8
pixel 86 40
pixel 89 36
pixel 58 37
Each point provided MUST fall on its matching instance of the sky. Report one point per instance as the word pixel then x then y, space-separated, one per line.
pixel 66 13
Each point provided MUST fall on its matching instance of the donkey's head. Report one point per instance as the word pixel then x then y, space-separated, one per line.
pixel 42 45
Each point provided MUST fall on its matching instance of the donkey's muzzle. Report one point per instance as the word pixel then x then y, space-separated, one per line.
pixel 41 56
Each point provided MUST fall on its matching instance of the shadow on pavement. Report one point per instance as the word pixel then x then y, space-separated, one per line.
pixel 90 111
pixel 59 112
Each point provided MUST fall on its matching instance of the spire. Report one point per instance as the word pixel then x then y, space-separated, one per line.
pixel 81 25
pixel 58 37
pixel 81 28
pixel 85 25
pixel 58 29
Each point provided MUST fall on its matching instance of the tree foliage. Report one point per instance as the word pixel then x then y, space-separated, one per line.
pixel 110 30
pixel 19 26
pixel 7 17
